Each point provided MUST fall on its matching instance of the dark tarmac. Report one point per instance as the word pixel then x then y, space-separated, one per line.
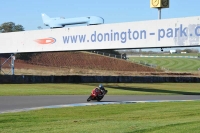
pixel 8 103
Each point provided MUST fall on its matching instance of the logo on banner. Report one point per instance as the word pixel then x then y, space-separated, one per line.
pixel 49 40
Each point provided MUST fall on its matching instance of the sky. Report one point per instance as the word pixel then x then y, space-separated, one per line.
pixel 28 12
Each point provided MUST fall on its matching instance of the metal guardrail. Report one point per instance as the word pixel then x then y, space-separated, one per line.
pixel 122 56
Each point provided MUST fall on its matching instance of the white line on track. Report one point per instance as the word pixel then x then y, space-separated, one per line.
pixel 89 104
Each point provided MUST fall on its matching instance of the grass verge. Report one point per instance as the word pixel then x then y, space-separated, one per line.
pixel 173 64
pixel 113 89
pixel 177 117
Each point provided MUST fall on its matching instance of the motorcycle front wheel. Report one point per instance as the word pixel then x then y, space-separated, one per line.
pixel 89 99
pixel 106 91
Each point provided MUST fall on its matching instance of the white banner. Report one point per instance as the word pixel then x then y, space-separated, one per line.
pixel 178 32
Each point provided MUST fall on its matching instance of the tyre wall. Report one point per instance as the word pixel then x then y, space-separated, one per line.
pixel 96 79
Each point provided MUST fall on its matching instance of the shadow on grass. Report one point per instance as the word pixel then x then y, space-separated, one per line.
pixel 154 90
pixel 143 89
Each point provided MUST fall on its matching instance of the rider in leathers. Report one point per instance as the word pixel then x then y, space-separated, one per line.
pixel 98 91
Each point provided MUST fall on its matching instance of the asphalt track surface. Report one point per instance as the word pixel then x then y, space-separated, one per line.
pixel 8 103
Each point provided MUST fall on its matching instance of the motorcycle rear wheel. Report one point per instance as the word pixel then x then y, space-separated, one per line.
pixel 99 99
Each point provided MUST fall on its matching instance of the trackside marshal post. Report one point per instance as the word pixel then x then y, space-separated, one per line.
pixel 159 4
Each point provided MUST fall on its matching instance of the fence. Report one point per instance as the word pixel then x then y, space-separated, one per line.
pixel 96 79
pixel 7 65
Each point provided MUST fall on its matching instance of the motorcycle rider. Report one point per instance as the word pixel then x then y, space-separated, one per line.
pixel 98 91
pixel 101 87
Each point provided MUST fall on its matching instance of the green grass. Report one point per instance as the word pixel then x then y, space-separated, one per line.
pixel 173 64
pixel 176 117
pixel 113 89
pixel 187 54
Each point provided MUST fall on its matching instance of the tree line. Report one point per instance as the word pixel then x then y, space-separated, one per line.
pixel 10 27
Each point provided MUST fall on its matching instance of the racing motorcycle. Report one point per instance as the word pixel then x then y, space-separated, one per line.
pixel 98 96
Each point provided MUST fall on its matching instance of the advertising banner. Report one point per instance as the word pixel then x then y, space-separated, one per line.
pixel 177 32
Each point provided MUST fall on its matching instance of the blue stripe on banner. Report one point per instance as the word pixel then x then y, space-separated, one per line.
pixel 90 104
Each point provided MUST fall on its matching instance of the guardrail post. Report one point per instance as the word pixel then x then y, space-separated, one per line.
pixel 12 64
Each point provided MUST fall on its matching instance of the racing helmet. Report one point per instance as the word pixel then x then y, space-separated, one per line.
pixel 101 86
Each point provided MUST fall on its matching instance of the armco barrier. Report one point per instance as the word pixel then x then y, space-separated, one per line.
pixel 95 79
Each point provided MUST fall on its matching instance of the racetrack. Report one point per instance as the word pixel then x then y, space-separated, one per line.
pixel 9 103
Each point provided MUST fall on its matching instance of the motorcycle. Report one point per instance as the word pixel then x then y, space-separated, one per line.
pixel 98 97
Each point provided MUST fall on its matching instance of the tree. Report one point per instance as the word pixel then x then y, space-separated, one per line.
pixel 10 27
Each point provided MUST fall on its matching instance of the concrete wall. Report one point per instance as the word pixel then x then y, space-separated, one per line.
pixel 95 79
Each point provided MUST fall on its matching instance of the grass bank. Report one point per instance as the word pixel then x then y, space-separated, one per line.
pixel 113 89
pixel 176 117
pixel 173 64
